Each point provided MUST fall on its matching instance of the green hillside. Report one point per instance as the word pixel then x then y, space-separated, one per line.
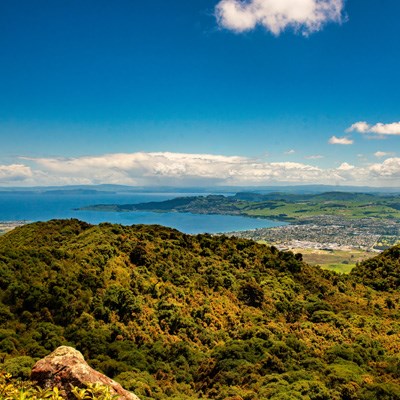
pixel 381 272
pixel 281 206
pixel 174 316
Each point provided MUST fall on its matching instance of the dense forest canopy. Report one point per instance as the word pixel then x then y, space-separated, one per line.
pixel 177 316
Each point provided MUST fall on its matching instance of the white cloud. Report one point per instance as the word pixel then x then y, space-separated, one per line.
pixel 378 129
pixel 382 154
pixel 341 140
pixel 345 167
pixel 388 169
pixel 14 173
pixel 360 126
pixel 306 16
pixel 314 157
pixel 289 152
pixel 386 129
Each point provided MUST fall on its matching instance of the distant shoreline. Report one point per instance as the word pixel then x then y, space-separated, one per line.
pixel 7 226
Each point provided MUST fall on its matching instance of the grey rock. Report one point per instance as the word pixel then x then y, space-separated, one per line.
pixel 66 367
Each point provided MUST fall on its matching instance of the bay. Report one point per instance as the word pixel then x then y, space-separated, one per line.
pixel 46 206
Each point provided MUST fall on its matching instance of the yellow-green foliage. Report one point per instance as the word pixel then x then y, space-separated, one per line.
pixel 12 389
pixel 381 272
pixel 174 316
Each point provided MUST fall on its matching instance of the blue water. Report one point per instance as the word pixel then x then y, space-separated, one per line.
pixel 43 207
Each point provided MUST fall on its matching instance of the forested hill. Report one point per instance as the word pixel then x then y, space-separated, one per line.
pixel 381 272
pixel 174 316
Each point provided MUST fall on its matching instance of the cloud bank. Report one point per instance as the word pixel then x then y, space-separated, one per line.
pixel 14 173
pixel 305 16
pixel 378 129
pixel 174 168
pixel 181 169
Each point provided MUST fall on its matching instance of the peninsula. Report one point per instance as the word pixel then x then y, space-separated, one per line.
pixel 333 220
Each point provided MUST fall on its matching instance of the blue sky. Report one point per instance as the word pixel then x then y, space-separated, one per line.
pixel 201 91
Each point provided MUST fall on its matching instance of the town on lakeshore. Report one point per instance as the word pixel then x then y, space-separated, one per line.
pixel 330 232
pixel 6 226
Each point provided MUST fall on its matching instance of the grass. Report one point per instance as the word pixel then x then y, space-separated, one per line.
pixel 340 268
pixel 342 261
pixel 337 260
pixel 349 210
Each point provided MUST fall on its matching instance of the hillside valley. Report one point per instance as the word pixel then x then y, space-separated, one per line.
pixel 177 316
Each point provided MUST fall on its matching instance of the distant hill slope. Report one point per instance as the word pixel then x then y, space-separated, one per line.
pixel 276 205
pixel 198 204
pixel 174 316
pixel 381 272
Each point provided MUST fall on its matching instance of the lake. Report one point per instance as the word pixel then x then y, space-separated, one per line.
pixel 43 207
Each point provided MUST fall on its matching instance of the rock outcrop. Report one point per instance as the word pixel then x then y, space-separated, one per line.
pixel 66 367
